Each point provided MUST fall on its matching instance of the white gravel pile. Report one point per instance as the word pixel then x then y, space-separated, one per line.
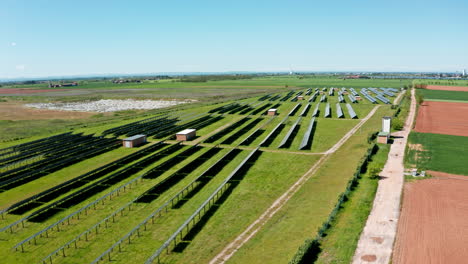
pixel 106 105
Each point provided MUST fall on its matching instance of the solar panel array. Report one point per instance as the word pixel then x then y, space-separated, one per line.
pixel 340 98
pixel 290 132
pixel 339 112
pixel 367 96
pixel 327 110
pixel 353 92
pixel 352 98
pixel 316 110
pixel 306 138
pixel 323 98
pixel 351 112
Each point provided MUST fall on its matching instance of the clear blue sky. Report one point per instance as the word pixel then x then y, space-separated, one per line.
pixel 65 37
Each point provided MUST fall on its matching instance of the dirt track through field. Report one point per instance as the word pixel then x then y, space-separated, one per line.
pixel 447 88
pixel 443 118
pixel 376 241
pixel 433 226
pixel 252 229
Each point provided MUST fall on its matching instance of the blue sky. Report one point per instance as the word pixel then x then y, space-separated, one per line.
pixel 52 37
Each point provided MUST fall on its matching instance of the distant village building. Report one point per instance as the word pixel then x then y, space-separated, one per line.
pixel 62 85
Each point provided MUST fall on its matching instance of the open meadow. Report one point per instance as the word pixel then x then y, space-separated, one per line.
pixel 70 193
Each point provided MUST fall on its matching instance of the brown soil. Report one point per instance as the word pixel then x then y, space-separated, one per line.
pixel 29 91
pixel 447 88
pixel 443 118
pixel 369 258
pixel 433 226
pixel 17 111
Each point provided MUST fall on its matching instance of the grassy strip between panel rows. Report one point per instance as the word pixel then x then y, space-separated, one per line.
pixel 341 239
pixel 311 248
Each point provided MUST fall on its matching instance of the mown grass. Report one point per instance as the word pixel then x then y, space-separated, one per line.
pixel 340 241
pixel 299 219
pixel 443 95
pixel 437 152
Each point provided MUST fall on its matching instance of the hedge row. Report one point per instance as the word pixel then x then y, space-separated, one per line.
pixel 308 252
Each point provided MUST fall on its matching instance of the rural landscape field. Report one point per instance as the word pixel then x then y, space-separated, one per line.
pixel 238 132
pixel 170 201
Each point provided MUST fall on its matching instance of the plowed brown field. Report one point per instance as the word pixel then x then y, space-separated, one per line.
pixel 443 118
pixel 433 226
pixel 447 88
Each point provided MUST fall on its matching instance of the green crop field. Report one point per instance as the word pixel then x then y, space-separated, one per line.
pixel 439 95
pixel 438 152
pixel 160 174
pixel 443 82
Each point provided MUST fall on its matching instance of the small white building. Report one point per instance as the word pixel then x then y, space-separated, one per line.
pixel 134 141
pixel 386 124
pixel 186 134
pixel 272 112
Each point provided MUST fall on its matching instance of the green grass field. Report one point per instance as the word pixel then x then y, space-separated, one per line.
pixel 438 95
pixel 310 206
pixel 444 153
pixel 271 174
pixel 339 244
pixel 443 82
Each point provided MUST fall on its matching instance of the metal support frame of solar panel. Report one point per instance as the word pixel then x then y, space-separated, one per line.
pixel 288 135
pixel 306 138
pixel 323 98
pixel 327 110
pixel 213 196
pixel 304 111
pixel 84 178
pixel 16 223
pixel 89 230
pixel 339 111
pixel 316 110
pixel 157 212
pixel 124 173
pixel 295 108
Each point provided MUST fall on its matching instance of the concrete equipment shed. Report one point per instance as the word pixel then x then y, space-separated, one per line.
pixel 134 141
pixel 272 112
pixel 383 137
pixel 186 134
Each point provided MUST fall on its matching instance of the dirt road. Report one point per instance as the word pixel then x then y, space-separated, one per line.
pixel 376 241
